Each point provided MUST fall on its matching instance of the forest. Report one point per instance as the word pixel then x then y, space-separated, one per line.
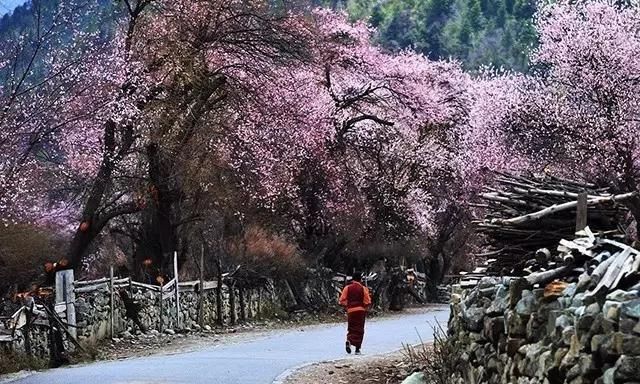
pixel 275 136
pixel 477 33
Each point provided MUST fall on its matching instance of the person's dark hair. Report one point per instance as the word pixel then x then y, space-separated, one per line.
pixel 357 276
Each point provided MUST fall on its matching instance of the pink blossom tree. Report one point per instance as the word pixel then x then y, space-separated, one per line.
pixel 355 136
pixel 579 114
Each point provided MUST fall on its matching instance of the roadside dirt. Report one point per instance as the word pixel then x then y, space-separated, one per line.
pixel 385 369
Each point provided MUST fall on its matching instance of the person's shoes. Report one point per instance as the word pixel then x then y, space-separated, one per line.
pixel 348 347
pixel 358 351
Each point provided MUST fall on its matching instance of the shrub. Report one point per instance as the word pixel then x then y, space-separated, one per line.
pixel 267 253
pixel 439 361
pixel 23 251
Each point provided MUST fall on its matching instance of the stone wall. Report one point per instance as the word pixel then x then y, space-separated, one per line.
pixel 93 310
pixel 509 332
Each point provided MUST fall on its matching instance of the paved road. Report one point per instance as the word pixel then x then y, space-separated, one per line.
pixel 257 361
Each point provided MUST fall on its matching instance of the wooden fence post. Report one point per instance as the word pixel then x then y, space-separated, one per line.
pixel 27 327
pixel 71 304
pixel 219 298
pixel 581 212
pixel 243 309
pixel 111 302
pixel 259 311
pixel 177 288
pixel 232 303
pixel 65 294
pixel 201 303
pixel 160 298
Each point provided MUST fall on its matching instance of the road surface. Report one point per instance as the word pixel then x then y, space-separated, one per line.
pixel 258 361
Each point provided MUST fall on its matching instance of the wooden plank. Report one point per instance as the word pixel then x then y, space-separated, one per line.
pixel 620 245
pixel 208 285
pixel 187 284
pixel 636 264
pixel 168 295
pixel 601 268
pixel 612 272
pixel 625 270
pixel 61 308
pixel 6 339
pixel 91 288
pixel 169 286
pixel 82 283
pixel 577 246
pixel 145 286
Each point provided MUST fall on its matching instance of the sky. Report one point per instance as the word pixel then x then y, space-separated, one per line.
pixel 9 5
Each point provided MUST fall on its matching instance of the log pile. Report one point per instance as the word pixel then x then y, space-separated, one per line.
pixel 597 265
pixel 527 216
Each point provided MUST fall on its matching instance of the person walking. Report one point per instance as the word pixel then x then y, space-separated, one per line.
pixel 355 298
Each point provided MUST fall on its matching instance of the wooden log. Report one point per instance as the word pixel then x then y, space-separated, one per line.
pixel 548 276
pixel 561 207
pixel 543 255
pixel 556 193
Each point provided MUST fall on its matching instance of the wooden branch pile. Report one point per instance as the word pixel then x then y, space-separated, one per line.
pixel 526 214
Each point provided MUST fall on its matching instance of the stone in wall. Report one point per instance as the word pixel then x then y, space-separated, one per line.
pixel 513 334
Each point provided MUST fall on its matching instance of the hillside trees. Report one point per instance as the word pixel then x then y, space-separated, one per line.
pixel 41 81
pixel 476 32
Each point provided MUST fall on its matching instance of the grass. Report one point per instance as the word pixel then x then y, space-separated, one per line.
pixel 439 361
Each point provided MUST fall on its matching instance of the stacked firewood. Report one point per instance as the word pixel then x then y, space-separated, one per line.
pixel 598 265
pixel 527 216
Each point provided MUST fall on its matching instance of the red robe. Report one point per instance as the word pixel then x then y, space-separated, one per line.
pixel 355 298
